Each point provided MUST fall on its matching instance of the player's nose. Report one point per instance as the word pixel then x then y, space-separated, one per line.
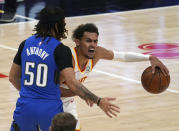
pixel 94 43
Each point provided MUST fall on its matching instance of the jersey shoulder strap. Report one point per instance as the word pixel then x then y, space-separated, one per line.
pixel 89 64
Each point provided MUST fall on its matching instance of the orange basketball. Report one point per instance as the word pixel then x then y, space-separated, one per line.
pixel 154 83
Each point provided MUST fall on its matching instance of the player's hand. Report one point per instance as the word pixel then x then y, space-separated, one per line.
pixel 155 62
pixel 89 103
pixel 109 108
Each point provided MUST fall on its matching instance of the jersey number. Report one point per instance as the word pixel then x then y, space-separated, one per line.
pixel 41 74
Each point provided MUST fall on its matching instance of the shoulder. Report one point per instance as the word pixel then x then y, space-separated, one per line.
pixel 99 52
pixel 21 46
pixel 62 50
pixel 103 53
pixel 62 47
pixel 63 56
pixel 17 58
pixel 97 56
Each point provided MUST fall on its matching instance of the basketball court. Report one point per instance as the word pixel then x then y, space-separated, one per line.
pixel 149 31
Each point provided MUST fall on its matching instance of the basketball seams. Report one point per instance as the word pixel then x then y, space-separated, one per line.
pixel 145 73
pixel 154 83
pixel 143 76
pixel 160 82
pixel 148 70
pixel 151 80
pixel 154 77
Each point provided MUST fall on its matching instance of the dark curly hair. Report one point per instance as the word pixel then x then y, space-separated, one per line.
pixel 51 23
pixel 79 31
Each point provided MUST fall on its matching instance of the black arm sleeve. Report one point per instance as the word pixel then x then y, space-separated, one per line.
pixel 17 58
pixel 63 57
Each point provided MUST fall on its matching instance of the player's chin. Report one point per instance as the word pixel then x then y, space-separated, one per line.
pixel 90 56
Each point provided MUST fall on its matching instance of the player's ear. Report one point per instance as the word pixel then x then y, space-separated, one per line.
pixel 77 41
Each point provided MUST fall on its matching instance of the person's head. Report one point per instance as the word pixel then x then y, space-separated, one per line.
pixel 63 122
pixel 51 23
pixel 86 38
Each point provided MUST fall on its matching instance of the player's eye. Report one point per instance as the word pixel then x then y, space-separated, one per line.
pixel 88 40
pixel 95 41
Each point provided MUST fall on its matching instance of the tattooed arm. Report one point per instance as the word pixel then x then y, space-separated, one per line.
pixel 80 90
pixel 66 92
pixel 76 86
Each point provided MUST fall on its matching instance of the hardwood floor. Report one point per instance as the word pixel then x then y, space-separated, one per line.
pixel 125 31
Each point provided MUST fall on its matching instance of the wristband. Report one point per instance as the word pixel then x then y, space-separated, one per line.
pixel 98 101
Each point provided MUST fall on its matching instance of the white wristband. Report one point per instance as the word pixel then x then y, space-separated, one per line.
pixel 130 56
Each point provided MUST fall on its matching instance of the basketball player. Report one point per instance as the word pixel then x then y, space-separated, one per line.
pixel 63 121
pixel 35 73
pixel 85 56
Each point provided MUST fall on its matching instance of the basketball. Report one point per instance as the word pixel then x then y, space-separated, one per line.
pixel 154 82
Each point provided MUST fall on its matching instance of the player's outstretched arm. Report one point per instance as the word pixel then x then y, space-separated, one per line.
pixel 135 57
pixel 80 90
pixel 103 53
pixel 15 75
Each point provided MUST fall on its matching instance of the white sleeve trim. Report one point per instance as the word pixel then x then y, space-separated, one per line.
pixel 129 56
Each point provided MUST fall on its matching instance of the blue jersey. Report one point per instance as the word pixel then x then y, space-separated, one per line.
pixel 39 69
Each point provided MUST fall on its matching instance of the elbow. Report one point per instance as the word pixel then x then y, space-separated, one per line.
pixel 11 79
pixel 73 84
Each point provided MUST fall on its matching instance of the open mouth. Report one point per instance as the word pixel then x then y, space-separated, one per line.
pixel 91 50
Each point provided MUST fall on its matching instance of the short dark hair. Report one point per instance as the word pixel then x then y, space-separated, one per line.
pixel 51 19
pixel 79 31
pixel 63 122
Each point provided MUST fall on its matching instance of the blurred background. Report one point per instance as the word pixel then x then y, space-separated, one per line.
pixel 29 8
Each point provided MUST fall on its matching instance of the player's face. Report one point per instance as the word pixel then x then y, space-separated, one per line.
pixel 87 44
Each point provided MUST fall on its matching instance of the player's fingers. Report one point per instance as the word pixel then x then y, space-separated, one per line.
pixel 113 105
pixel 164 71
pixel 87 102
pixel 167 71
pixel 153 69
pixel 112 112
pixel 116 109
pixel 108 114
pixel 91 104
pixel 111 98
